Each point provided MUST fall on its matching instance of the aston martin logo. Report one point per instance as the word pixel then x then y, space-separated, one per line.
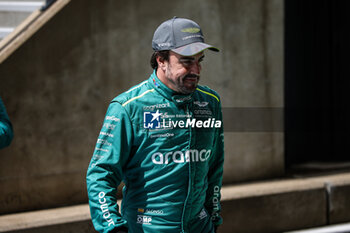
pixel 191 30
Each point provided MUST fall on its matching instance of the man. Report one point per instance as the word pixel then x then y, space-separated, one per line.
pixel 6 132
pixel 164 139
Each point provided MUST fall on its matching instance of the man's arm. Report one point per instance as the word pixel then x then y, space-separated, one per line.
pixel 106 169
pixel 6 132
pixel 215 173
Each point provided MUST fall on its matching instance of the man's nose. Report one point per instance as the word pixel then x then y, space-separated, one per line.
pixel 196 68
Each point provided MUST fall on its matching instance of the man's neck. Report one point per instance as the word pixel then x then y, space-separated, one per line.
pixel 161 76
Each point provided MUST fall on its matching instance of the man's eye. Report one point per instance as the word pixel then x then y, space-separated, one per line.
pixel 187 62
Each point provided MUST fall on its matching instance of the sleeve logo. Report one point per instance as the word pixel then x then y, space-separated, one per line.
pixel 142 219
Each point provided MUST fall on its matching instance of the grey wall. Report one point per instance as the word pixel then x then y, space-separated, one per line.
pixel 57 87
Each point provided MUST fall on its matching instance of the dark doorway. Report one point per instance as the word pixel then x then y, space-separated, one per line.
pixel 317 73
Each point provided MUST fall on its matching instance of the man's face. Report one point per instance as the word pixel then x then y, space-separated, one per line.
pixel 182 73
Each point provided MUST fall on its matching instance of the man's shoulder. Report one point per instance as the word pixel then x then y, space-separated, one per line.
pixel 133 93
pixel 208 93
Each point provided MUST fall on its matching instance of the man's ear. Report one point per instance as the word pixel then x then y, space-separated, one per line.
pixel 161 63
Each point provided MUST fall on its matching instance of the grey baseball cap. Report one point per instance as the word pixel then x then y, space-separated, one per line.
pixel 182 36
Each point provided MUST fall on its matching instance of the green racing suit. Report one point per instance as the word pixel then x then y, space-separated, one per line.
pixel 168 150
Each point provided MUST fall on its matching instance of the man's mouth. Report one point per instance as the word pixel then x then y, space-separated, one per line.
pixel 191 78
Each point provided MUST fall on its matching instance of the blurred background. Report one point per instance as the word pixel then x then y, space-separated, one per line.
pixel 62 62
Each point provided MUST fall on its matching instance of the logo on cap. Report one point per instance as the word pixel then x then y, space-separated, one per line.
pixel 191 30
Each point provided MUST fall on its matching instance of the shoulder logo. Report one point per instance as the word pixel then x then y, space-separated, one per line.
pixel 191 30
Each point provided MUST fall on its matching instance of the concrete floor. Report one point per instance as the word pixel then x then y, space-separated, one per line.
pixel 262 207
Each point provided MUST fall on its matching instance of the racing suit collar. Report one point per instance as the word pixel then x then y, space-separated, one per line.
pixel 178 99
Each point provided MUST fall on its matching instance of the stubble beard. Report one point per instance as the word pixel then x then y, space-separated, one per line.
pixel 179 83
